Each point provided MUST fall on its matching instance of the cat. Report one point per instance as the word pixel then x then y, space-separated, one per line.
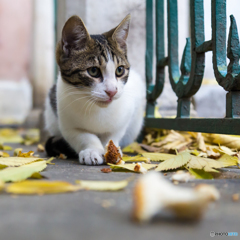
pixel 97 97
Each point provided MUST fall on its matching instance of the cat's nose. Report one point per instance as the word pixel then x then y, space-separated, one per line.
pixel 111 93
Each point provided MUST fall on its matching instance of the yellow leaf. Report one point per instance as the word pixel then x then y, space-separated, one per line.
pixel 206 164
pixel 228 160
pixel 16 151
pixel 103 185
pixel 133 148
pixel 15 174
pixel 1 185
pixel 26 155
pixel 130 167
pixel 158 156
pixel 201 143
pixel 224 140
pixel 5 147
pixel 36 175
pixel 4 154
pixel 137 158
pixel 41 187
pixel 17 161
pixel 8 135
pixel 176 162
pixel 200 174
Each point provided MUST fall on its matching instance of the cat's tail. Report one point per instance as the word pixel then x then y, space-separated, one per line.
pixel 57 145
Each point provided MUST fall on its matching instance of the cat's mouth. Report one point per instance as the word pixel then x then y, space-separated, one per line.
pixel 104 103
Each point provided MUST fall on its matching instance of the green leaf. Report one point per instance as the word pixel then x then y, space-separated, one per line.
pixel 176 162
pixel 103 185
pixel 15 174
pixel 200 174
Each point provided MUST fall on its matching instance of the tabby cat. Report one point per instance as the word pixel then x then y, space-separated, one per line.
pixel 97 97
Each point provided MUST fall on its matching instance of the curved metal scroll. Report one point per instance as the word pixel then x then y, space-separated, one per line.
pixel 192 66
pixel 227 76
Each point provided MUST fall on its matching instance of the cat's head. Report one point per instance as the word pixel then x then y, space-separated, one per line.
pixel 96 64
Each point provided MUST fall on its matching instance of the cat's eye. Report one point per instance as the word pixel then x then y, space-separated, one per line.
pixel 120 71
pixel 94 72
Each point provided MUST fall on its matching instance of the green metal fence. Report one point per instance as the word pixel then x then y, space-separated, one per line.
pixel 187 80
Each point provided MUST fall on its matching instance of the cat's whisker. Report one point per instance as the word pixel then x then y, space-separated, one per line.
pixel 73 102
pixel 88 104
pixel 73 93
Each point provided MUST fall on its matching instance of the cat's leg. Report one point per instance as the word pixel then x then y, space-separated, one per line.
pixel 88 146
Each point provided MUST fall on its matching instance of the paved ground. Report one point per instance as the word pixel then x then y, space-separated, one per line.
pixel 89 215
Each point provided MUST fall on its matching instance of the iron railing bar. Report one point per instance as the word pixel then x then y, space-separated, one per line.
pixel 204 47
pixel 206 125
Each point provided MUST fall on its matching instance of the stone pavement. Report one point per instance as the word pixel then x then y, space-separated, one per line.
pixel 89 215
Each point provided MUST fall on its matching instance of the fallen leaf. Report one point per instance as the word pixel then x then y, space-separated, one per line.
pixel 4 154
pixel 130 167
pixel 15 174
pixel 17 161
pixel 228 160
pixel 25 155
pixel 41 187
pixel 40 148
pixel 223 140
pixel 103 185
pixel 201 143
pixel 16 151
pixel 158 156
pixel 133 148
pixel 149 148
pixel 8 135
pixel 5 148
pixel 1 185
pixel 106 170
pixel 37 175
pixel 206 164
pixel 200 174
pixel 177 161
pixel 137 158
pixel 62 156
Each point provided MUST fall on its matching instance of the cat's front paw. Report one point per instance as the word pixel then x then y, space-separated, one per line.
pixel 91 157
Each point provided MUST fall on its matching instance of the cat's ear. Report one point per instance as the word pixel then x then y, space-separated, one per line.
pixel 74 35
pixel 120 33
